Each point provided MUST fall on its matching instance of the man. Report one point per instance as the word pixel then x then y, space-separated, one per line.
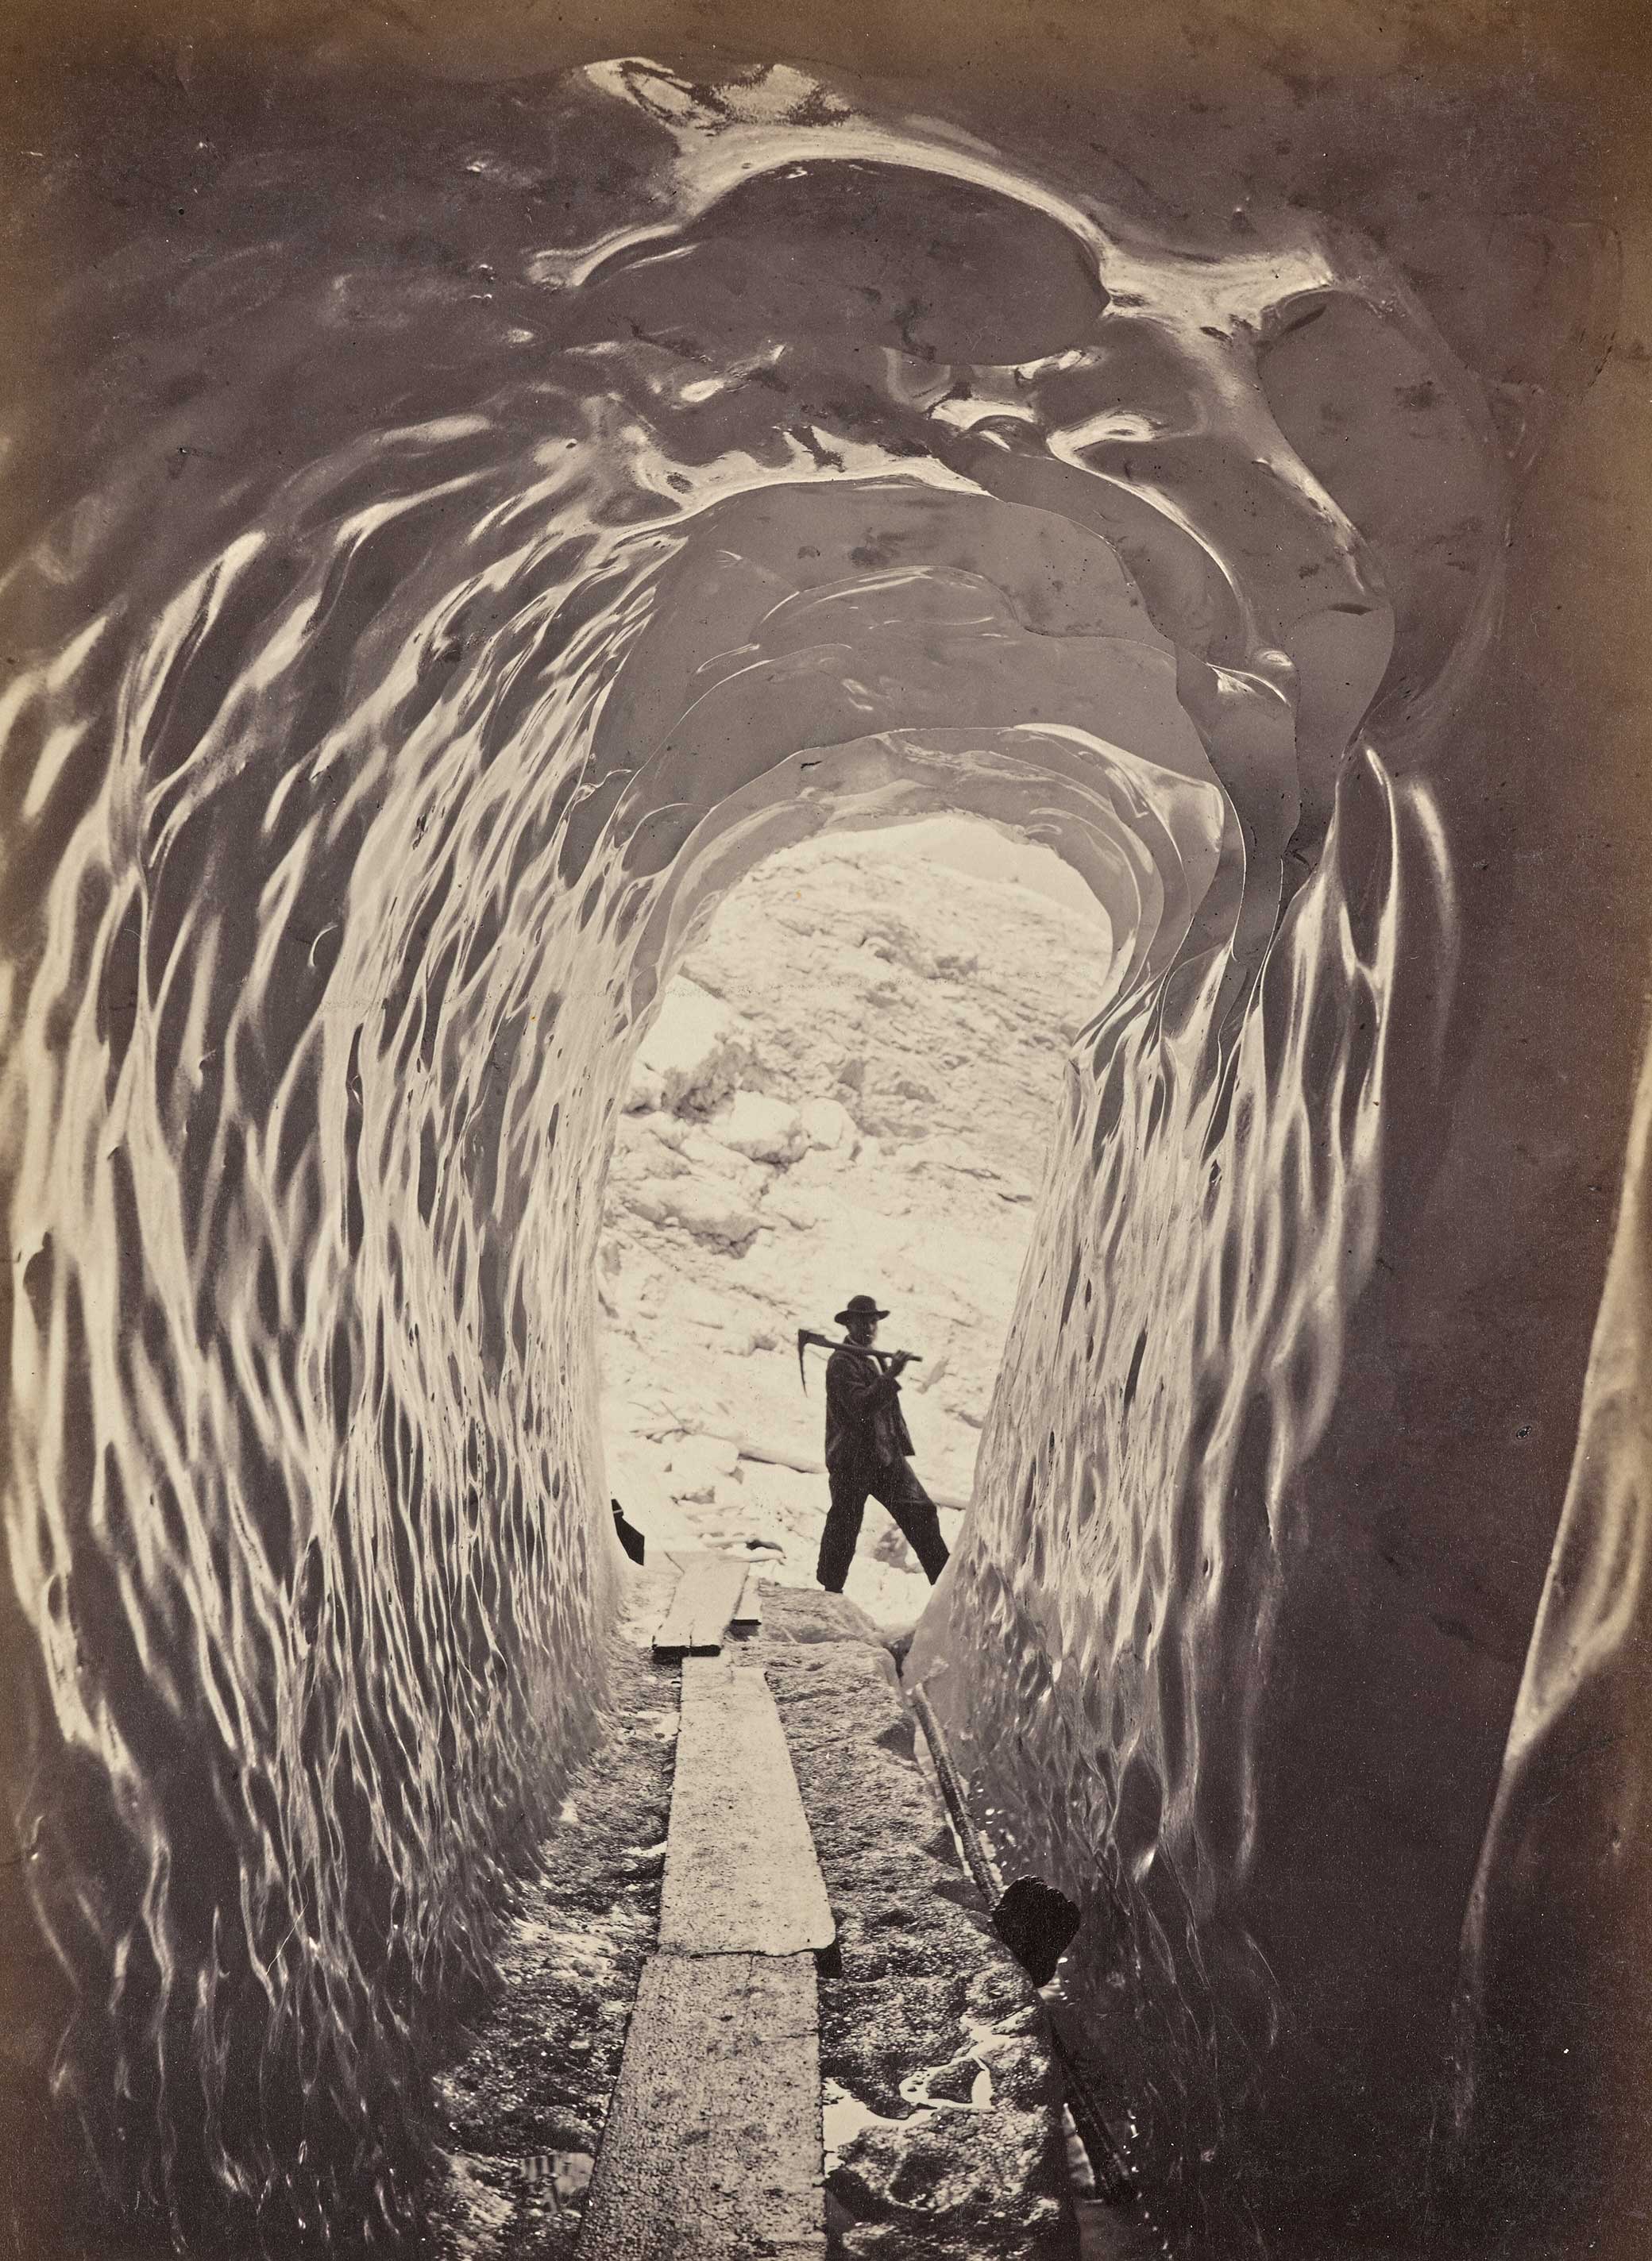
pixel 868 1451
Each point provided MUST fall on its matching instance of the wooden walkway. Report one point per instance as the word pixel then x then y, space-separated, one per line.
pixel 712 2149
pixel 707 1596
pixel 741 1876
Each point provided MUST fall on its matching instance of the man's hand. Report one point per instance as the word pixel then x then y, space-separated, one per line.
pixel 900 1361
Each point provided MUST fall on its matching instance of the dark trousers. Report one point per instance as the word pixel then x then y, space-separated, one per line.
pixel 894 1485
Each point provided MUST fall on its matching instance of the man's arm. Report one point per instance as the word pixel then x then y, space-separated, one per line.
pixel 855 1387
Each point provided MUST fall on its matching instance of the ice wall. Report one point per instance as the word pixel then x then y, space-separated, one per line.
pixel 502 560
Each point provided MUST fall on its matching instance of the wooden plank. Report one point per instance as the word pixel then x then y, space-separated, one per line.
pixel 748 1610
pixel 707 1595
pixel 718 1599
pixel 712 2149
pixel 741 1875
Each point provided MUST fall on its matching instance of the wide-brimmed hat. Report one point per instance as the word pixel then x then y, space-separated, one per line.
pixel 859 1306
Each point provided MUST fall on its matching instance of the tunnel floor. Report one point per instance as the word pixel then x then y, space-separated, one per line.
pixel 924 2156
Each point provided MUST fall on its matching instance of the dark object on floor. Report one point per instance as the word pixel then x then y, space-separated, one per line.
pixel 1037 1924
pixel 899 1645
pixel 628 1535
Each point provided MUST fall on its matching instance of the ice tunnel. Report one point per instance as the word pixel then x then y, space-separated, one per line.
pixel 402 689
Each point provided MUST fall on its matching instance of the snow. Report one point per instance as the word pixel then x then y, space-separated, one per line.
pixel 766 1129
pixel 692 1056
pixel 849 1087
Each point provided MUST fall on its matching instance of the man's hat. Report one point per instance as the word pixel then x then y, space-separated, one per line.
pixel 859 1306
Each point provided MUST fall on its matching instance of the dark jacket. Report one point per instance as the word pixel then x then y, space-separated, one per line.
pixel 864 1421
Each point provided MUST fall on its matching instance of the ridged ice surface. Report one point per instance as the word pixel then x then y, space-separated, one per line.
pixel 440 632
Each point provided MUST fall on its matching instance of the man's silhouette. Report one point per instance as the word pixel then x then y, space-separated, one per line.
pixel 868 1451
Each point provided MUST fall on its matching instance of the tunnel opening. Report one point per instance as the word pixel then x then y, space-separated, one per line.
pixel 850 1083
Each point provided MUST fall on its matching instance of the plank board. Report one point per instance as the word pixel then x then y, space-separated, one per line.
pixel 741 1875
pixel 707 1594
pixel 712 2149
pixel 748 1610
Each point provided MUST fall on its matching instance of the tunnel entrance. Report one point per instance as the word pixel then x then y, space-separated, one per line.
pixel 848 1088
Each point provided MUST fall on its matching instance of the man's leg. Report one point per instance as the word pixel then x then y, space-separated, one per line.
pixel 898 1488
pixel 843 1528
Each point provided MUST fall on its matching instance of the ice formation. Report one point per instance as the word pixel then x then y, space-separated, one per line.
pixel 398 697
